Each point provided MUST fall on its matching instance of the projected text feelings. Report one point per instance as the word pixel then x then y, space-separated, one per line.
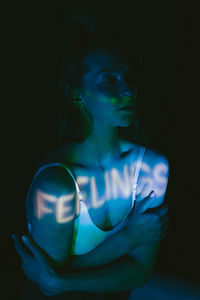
pixel 116 185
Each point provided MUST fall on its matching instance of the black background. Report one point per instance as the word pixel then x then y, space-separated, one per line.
pixel 31 39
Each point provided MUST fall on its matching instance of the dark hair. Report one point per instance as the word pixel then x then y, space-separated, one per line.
pixel 71 123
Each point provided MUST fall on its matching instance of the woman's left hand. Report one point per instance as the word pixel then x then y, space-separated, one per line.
pixel 36 266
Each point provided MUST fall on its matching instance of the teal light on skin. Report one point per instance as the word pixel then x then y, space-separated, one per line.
pixel 111 81
pixel 116 185
pixel 112 100
pixel 60 206
pixel 127 100
pixel 106 87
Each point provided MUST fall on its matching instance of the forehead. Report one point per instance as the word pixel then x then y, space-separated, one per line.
pixel 106 59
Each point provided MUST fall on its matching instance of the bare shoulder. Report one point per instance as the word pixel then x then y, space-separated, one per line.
pixel 51 186
pixel 53 178
pixel 154 172
pixel 153 158
pixel 51 210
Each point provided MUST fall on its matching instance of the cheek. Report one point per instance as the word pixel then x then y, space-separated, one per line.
pixel 99 100
pixel 109 93
pixel 104 94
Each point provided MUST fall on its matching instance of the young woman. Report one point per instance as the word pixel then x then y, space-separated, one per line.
pixel 95 206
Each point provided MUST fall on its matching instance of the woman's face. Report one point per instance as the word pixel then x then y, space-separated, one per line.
pixel 108 88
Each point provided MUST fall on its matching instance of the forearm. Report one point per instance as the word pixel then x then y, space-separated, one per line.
pixel 121 275
pixel 110 250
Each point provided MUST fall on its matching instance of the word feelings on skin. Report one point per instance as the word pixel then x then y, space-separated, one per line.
pixel 116 184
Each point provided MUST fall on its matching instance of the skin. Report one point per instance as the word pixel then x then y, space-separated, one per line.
pixel 137 243
pixel 102 93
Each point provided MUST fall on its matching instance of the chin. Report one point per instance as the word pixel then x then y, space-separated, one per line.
pixel 125 123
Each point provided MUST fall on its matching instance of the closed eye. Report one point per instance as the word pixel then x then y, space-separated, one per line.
pixel 108 79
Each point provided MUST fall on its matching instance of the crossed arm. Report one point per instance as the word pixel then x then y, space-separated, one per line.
pixel 126 263
pixel 127 272
pixel 122 262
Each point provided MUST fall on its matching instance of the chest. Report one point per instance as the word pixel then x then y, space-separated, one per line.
pixel 107 194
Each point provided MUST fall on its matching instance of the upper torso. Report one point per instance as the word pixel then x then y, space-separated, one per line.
pixel 107 194
pixel 102 190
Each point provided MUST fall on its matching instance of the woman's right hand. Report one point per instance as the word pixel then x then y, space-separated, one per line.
pixel 146 225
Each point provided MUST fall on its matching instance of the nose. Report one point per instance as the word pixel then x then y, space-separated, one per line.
pixel 124 89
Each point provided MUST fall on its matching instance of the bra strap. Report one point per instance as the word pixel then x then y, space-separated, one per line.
pixel 66 168
pixel 136 173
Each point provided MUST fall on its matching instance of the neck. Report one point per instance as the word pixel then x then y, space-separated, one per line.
pixel 101 147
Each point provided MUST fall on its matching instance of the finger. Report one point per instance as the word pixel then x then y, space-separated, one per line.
pixel 145 204
pixel 31 271
pixel 143 193
pixel 27 273
pixel 23 252
pixel 35 249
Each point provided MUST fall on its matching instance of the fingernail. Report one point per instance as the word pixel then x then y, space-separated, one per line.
pixel 152 194
pixel 24 238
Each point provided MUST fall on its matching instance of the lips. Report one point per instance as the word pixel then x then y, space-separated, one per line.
pixel 126 108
